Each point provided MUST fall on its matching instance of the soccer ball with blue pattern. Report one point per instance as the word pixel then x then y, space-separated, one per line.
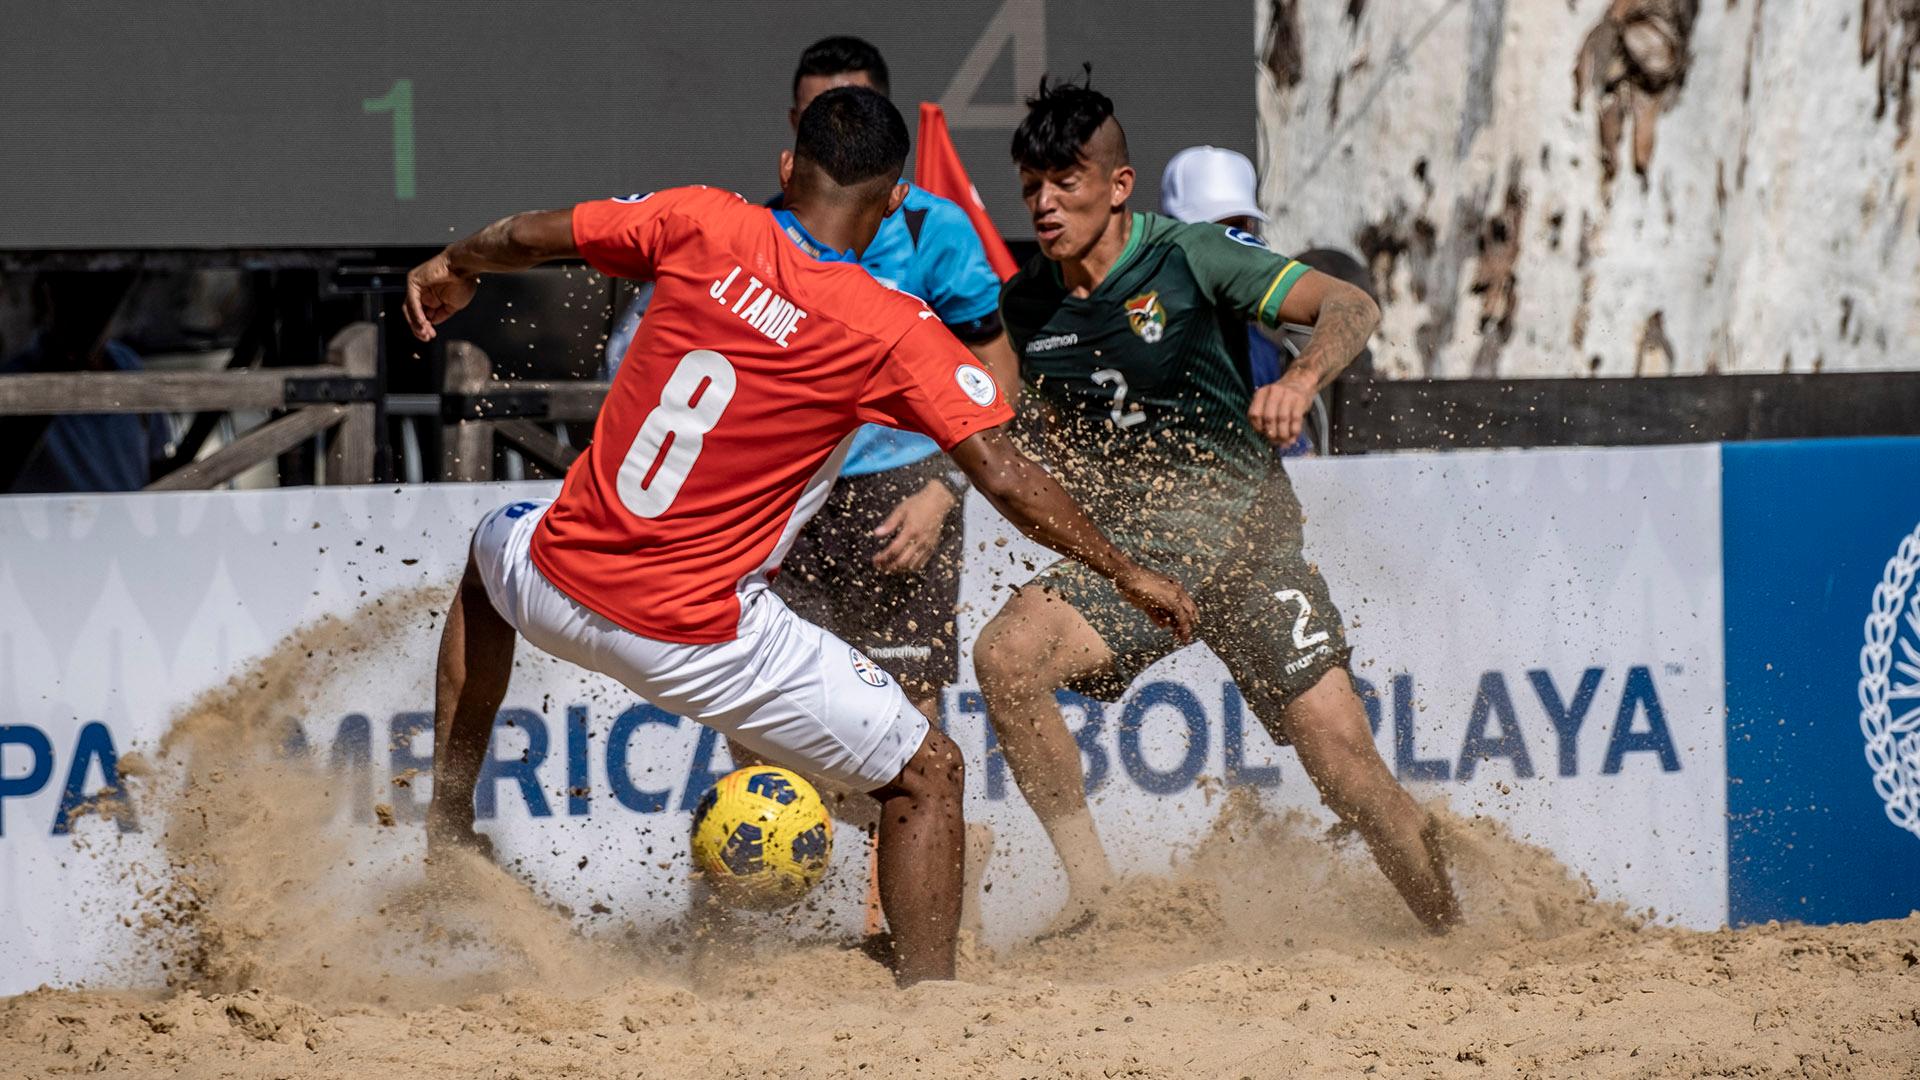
pixel 762 838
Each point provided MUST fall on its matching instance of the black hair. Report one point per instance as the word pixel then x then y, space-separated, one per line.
pixel 853 134
pixel 1060 121
pixel 839 55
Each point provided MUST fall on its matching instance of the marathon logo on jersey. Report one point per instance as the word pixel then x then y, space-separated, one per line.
pixel 1051 342
pixel 868 671
pixel 1147 317
pixel 976 384
pixel 758 306
pixel 636 197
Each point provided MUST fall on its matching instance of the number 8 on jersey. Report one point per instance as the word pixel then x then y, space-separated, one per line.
pixel 668 442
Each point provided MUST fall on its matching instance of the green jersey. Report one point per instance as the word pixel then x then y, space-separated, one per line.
pixel 1147 375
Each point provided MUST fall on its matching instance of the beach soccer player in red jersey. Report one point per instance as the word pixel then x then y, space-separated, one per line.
pixel 766 347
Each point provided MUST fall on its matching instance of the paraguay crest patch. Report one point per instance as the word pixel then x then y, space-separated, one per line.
pixel 1147 317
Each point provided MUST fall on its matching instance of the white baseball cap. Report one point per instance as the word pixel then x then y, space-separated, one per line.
pixel 1207 183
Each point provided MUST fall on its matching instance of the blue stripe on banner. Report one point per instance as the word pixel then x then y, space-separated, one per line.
pixel 1816 831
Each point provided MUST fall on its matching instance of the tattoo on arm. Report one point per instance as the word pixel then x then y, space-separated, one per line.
pixel 1346 320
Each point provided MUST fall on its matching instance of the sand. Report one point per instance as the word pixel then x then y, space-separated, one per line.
pixel 1275 950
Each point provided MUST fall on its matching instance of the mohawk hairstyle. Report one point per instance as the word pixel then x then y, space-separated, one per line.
pixel 1061 120
pixel 853 135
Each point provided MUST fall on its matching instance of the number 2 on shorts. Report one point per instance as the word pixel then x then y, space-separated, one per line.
pixel 668 442
pixel 1301 639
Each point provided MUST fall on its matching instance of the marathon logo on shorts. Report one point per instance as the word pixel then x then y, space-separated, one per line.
pixel 868 671
pixel 1300 664
pixel 904 652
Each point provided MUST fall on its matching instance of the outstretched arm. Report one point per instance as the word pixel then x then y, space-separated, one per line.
pixel 1343 318
pixel 445 283
pixel 1042 510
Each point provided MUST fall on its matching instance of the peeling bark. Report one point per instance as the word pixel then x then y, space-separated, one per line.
pixel 1635 60
pixel 1383 243
pixel 1494 281
pixel 1655 354
pixel 1890 33
pixel 1284 55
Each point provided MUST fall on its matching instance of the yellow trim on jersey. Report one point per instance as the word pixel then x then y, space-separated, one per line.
pixel 1290 273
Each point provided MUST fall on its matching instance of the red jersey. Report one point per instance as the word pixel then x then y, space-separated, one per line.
pixel 725 427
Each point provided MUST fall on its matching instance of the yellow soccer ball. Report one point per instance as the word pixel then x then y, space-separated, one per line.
pixel 762 837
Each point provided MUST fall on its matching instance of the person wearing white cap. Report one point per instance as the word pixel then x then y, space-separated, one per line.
pixel 1209 183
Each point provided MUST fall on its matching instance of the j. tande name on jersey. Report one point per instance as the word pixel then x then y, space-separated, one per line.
pixel 759 306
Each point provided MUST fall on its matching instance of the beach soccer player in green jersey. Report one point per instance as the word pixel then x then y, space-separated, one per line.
pixel 1130 328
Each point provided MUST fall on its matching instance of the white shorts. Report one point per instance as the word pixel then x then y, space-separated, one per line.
pixel 784 688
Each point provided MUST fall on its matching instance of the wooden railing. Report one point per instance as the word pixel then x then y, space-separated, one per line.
pixel 475 408
pixel 338 400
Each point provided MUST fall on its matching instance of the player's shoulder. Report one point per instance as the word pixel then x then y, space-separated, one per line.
pixel 712 198
pixel 865 305
pixel 693 199
pixel 1200 235
pixel 937 211
pixel 937 223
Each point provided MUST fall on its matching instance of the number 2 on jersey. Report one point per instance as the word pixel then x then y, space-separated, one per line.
pixel 1121 417
pixel 668 442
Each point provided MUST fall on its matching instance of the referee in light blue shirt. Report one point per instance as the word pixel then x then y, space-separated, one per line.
pixel 880 564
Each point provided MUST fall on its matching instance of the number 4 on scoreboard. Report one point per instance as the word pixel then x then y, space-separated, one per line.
pixel 399 102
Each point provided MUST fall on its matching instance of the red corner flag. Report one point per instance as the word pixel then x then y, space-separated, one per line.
pixel 937 168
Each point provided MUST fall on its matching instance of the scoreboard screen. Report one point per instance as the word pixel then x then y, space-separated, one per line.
pixel 353 123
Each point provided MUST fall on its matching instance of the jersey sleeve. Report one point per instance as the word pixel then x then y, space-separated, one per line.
pixel 625 237
pixel 1240 273
pixel 963 289
pixel 931 384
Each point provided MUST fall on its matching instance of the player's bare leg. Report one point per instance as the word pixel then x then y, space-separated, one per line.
pixel 476 660
pixel 979 853
pixel 715 929
pixel 1328 728
pixel 922 852
pixel 1037 644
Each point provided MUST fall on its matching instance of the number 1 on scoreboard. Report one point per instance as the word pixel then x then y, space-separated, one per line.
pixel 399 102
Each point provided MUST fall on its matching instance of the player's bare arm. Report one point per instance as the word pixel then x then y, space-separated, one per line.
pixel 444 284
pixel 1343 318
pixel 915 525
pixel 1042 510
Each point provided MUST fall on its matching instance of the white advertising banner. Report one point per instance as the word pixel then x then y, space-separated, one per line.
pixel 1540 634
pixel 1539 638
